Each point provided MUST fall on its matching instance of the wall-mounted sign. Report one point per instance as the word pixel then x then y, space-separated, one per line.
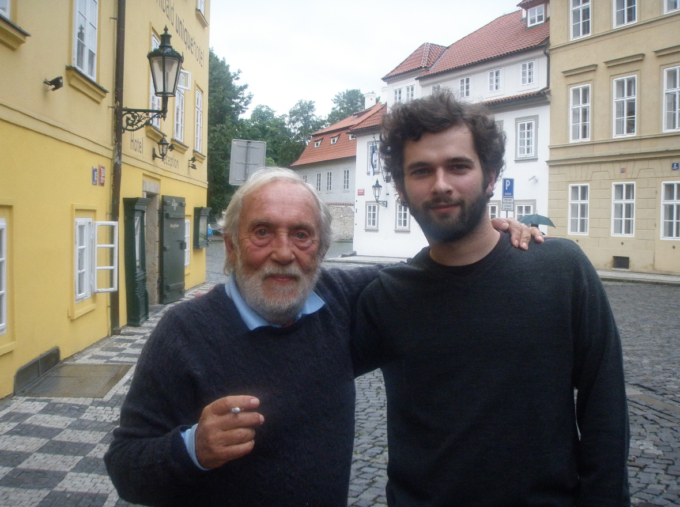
pixel 360 191
pixel 675 166
pixel 102 175
pixel 95 175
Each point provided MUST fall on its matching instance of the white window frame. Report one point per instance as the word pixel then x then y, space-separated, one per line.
pixel 410 93
pixel 579 106
pixel 436 88
pixel 579 209
pixel 494 80
pixel 522 210
pixel 88 64
pixel 87 244
pixel 670 211
pixel 536 15
pixel 528 73
pixel 671 6
pixel 671 112
pixel 334 139
pixel 329 181
pixel 397 95
pixel 351 137
pixel 624 8
pixel 623 102
pixel 5 8
pixel 402 221
pixel 372 216
pixel 318 182
pixel 154 100
pixel 493 211
pixel 183 84
pixel 345 179
pixel 580 17
pixel 317 143
pixel 3 276
pixel 527 136
pixel 187 242
pixel 624 207
pixel 464 87
pixel 198 115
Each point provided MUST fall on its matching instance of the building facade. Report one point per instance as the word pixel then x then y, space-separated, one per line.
pixel 615 131
pixel 73 267
pixel 504 65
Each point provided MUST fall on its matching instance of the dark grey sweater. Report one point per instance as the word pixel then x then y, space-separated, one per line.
pixel 480 366
pixel 200 351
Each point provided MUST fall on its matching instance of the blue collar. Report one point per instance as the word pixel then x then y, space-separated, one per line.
pixel 253 319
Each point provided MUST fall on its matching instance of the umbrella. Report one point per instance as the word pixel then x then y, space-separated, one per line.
pixel 536 219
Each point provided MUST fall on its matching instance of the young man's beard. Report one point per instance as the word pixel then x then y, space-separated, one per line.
pixel 285 303
pixel 445 229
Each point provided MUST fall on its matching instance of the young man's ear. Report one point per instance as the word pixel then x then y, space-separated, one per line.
pixel 491 185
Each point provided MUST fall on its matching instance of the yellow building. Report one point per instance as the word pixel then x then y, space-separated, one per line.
pixel 67 278
pixel 615 131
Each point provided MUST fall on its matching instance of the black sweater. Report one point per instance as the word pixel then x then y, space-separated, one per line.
pixel 480 367
pixel 201 351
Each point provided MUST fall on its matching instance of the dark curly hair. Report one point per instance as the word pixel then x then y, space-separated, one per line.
pixel 436 113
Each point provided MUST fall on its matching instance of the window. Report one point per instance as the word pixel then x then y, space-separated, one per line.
pixel 304 178
pixel 200 6
pixel 464 87
pixel 578 209
pixel 671 106
pixel 352 137
pixel 95 271
pixel 3 276
pixel 402 223
pixel 522 210
pixel 528 73
pixel 318 182
pixel 410 92
pixel 672 5
pixel 317 143
pixel 329 181
pixel 436 89
pixel 4 11
pixel 371 216
pixel 495 80
pixel 493 211
pixel 345 179
pixel 154 100
pixel 397 95
pixel 625 12
pixel 526 137
pixel 580 18
pixel 580 113
pixel 334 139
pixel 187 242
pixel 85 33
pixel 536 15
pixel 670 206
pixel 183 84
pixel 623 209
pixel 198 135
pixel 625 106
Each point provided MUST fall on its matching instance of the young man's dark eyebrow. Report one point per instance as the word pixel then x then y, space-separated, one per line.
pixel 418 163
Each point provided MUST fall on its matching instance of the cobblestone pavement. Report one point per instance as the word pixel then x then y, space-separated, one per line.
pixel 51 448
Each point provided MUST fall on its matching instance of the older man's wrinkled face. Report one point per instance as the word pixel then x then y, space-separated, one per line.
pixel 276 257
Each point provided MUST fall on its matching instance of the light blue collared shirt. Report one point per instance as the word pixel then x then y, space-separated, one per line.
pixel 252 320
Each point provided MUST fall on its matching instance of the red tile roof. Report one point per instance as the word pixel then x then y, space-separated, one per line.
pixel 343 147
pixel 421 59
pixel 503 36
pixel 372 121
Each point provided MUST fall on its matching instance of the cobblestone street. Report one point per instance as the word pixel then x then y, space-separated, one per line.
pixel 51 448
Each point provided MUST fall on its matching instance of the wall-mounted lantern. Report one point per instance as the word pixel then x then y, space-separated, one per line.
pixel 163 147
pixel 377 189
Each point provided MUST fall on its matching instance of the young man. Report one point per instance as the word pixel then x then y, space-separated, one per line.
pixel 480 403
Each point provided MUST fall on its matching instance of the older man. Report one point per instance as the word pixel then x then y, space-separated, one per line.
pixel 245 396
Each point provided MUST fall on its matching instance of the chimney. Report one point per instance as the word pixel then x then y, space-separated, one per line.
pixel 369 100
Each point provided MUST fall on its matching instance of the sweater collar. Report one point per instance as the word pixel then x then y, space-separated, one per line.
pixel 252 319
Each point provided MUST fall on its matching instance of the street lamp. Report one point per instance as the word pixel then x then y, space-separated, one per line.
pixel 166 64
pixel 163 147
pixel 377 188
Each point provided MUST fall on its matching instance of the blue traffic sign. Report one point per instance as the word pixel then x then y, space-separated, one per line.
pixel 508 187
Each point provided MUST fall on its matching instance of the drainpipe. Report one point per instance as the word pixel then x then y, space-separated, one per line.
pixel 118 147
pixel 546 52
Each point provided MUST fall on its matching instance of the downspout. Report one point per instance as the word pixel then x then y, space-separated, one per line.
pixel 546 52
pixel 118 148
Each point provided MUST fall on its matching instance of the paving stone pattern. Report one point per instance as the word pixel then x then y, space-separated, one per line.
pixel 51 449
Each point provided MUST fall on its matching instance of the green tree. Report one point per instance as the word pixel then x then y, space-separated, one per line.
pixel 227 101
pixel 265 125
pixel 303 121
pixel 346 104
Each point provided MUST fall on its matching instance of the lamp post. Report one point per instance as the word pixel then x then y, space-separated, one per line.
pixel 166 64
pixel 377 189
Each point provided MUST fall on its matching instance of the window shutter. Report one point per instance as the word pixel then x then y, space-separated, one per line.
pixel 105 257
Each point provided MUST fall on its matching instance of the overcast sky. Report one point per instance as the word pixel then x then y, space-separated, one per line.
pixel 312 50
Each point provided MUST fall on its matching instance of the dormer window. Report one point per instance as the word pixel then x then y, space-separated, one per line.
pixel 317 143
pixel 352 137
pixel 536 15
pixel 334 139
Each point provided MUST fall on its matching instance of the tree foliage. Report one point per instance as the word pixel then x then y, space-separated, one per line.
pixel 346 104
